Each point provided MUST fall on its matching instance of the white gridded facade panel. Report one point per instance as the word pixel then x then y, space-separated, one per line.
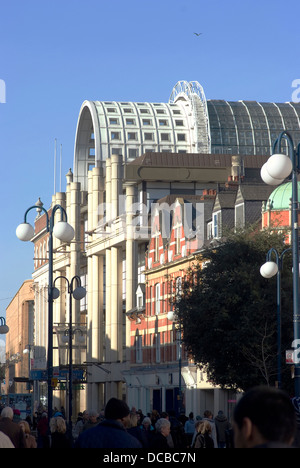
pixel 129 129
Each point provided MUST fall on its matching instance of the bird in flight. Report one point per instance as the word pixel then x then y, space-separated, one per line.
pixel 197 34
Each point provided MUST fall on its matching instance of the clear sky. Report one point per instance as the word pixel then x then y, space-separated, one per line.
pixel 55 54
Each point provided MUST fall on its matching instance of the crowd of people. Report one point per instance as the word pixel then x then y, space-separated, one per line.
pixel 263 417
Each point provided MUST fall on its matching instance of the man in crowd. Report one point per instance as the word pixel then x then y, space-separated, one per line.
pixel 264 418
pixel 110 433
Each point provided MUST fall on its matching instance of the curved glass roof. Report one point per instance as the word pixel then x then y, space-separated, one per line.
pixel 250 127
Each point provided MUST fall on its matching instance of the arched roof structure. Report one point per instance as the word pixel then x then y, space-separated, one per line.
pixel 188 123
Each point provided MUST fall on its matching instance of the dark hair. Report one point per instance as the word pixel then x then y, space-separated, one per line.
pixel 270 410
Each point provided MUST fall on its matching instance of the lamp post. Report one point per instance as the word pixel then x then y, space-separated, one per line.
pixel 65 233
pixel 268 270
pixel 78 293
pixel 278 167
pixel 3 327
pixel 172 318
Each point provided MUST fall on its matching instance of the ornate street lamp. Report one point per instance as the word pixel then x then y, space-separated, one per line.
pixel 173 318
pixel 278 167
pixel 3 327
pixel 65 233
pixel 78 293
pixel 268 270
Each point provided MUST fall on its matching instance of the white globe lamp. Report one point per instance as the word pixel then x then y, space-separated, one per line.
pixel 269 269
pixel 63 231
pixel 25 232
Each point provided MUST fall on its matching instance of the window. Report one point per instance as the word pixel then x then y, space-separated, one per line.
pixel 114 121
pixel 178 287
pixel 130 122
pixel 181 137
pixel 160 111
pixel 144 111
pixel 210 230
pixel 240 215
pixel 91 152
pixel 111 110
pixel 157 299
pixel 163 295
pixel 115 135
pixel 138 348
pixel 163 123
pixel 177 233
pixel 147 122
pixel 217 224
pixel 132 136
pixel 157 347
pixel 165 136
pixel 132 153
pixel 156 247
pixel 128 111
pixel 179 123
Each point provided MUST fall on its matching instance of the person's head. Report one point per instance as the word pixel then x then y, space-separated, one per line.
pixel 146 423
pixel 58 424
pixel 7 412
pixel 117 410
pixel 191 415
pixel 93 415
pixel 133 421
pixel 264 415
pixel 205 427
pixel 163 426
pixel 25 426
pixel 208 414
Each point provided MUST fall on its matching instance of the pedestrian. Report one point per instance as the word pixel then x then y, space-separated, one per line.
pixel 170 441
pixel 78 426
pixel 222 425
pixel 92 419
pixel 189 429
pixel 264 418
pixel 135 430
pixel 29 438
pixel 204 439
pixel 147 429
pixel 177 431
pixel 154 417
pixel 162 430
pixel 5 441
pixel 12 429
pixel 197 429
pixel 208 416
pixel 58 431
pixel 17 415
pixel 42 431
pixel 110 433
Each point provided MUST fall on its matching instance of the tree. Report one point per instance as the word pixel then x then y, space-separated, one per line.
pixel 227 311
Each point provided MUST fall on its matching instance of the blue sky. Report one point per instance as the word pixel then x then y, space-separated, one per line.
pixel 55 54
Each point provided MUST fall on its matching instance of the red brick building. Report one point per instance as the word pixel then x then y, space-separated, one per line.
pixel 157 354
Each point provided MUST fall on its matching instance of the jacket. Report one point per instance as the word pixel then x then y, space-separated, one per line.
pixel 107 434
pixel 222 426
pixel 13 431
